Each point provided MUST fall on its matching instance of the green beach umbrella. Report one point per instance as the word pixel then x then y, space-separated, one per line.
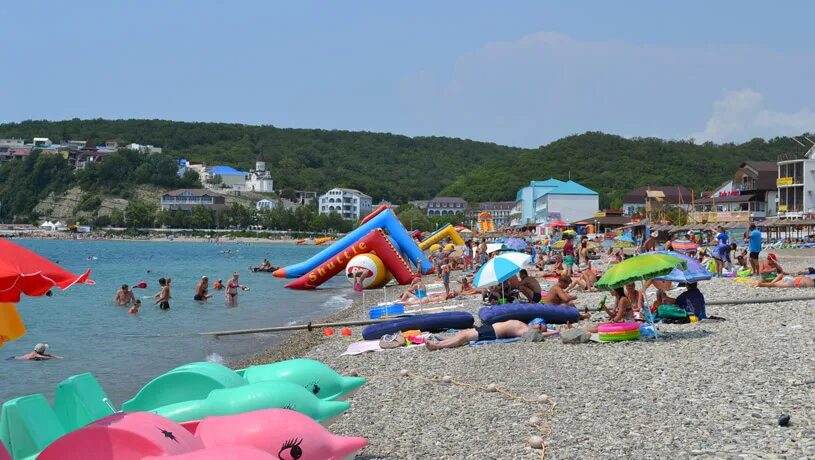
pixel 638 268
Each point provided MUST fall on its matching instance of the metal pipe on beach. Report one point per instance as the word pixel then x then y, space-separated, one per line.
pixel 749 301
pixel 294 327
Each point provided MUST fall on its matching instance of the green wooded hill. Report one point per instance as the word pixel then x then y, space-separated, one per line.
pixel 400 168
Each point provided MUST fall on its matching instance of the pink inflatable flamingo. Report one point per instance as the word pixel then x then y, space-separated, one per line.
pixel 288 434
pixel 124 437
pixel 221 453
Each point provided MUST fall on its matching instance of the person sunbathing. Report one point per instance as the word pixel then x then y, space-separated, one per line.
pixel 622 311
pixel 585 281
pixel 414 291
pixel 468 289
pixel 502 330
pixel 788 281
pixel 772 272
pixel 558 295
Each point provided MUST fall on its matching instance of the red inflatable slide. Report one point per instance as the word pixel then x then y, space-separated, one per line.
pixel 375 242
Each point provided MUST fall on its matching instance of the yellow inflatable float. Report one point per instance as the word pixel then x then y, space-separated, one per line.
pixel 445 232
pixel 11 325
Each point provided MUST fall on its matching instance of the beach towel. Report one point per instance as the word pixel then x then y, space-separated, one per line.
pixel 364 346
pixel 488 342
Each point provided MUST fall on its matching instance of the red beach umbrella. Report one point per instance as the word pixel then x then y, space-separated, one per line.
pixel 557 223
pixel 25 272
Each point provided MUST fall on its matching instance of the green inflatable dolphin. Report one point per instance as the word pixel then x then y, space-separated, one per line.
pixel 315 376
pixel 257 396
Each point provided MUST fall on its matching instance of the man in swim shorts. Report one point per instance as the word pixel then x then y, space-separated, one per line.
pixel 529 287
pixel 503 330
pixel 163 296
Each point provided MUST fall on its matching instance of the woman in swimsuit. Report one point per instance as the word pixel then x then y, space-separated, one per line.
pixel 232 287
pixel 622 311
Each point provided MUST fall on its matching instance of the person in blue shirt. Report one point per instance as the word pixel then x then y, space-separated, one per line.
pixel 755 248
pixel 721 253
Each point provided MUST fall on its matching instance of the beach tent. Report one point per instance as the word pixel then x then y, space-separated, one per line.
pixel 48 225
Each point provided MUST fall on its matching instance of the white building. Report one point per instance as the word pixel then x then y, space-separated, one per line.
pixel 265 204
pixel 259 179
pixel 540 201
pixel 146 149
pixel 796 185
pixel 349 203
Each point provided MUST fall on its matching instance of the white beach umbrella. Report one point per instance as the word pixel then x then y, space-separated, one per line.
pixel 500 268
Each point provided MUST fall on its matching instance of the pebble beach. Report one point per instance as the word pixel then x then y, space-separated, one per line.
pixel 713 389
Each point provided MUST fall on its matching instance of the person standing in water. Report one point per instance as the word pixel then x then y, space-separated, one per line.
pixel 232 287
pixel 202 290
pixel 124 297
pixel 163 296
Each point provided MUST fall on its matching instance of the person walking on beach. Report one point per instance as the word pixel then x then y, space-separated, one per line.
pixel 124 296
pixel 202 290
pixel 468 255
pixel 568 255
pixel 163 296
pixel 754 246
pixel 232 287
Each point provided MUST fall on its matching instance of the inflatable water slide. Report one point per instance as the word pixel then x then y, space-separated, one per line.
pixel 368 247
pixel 448 231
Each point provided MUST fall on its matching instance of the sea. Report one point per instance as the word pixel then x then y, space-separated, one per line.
pixel 125 351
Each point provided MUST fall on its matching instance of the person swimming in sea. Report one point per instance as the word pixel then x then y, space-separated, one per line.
pixel 40 353
pixel 218 285
pixel 124 296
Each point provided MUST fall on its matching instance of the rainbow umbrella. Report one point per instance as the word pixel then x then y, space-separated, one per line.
pixel 693 273
pixel 25 272
pixel 643 267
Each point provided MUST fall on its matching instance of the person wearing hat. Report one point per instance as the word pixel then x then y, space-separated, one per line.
pixel 40 353
pixel 503 330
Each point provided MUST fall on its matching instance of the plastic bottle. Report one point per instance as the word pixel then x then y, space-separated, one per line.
pixel 602 303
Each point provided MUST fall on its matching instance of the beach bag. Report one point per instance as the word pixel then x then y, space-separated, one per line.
pixel 672 314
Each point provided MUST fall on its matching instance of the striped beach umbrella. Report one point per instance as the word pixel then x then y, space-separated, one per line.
pixel 500 268
pixel 643 267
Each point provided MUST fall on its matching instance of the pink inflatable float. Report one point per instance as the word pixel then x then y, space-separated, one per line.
pixel 221 453
pixel 618 327
pixel 288 434
pixel 130 436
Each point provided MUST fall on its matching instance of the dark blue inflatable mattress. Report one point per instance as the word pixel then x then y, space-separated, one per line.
pixel 431 322
pixel 526 312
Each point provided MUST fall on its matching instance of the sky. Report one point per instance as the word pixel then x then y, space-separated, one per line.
pixel 521 73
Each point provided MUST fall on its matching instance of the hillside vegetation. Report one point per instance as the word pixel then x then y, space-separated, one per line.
pixel 386 166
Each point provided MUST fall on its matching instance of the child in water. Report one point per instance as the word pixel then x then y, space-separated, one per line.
pixel 135 308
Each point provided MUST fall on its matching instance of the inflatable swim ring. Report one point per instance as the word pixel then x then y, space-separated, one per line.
pixel 609 337
pixel 619 327
pixel 526 312
pixel 431 322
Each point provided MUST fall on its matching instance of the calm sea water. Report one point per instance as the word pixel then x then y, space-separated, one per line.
pixel 125 351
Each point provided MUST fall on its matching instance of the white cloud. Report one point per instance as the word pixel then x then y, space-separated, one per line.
pixel 547 85
pixel 739 116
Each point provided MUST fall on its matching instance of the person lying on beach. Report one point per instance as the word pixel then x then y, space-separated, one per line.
pixel 163 296
pixel 467 287
pixel 432 298
pixel 558 295
pixel 503 330
pixel 202 290
pixel 40 353
pixel 788 281
pixel 415 290
pixel 124 296
pixel 529 287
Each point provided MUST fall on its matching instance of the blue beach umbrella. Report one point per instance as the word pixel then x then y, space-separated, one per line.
pixel 515 244
pixel 500 268
pixel 693 274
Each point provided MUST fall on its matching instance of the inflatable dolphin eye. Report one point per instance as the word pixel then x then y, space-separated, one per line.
pixel 292 449
pixel 313 387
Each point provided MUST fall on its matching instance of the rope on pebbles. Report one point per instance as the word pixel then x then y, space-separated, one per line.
pixel 536 421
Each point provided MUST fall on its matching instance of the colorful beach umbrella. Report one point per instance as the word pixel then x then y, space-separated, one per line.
pixel 694 272
pixel 684 246
pixel 500 268
pixel 25 272
pixel 643 267
pixel 515 244
pixel 557 223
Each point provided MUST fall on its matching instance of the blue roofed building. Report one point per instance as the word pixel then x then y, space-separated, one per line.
pixel 230 177
pixel 543 201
